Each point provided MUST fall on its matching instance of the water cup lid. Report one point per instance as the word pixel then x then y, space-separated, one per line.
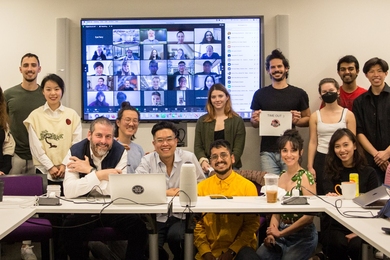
pixel 271 176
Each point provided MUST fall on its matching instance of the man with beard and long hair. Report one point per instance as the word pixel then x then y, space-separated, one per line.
pixel 21 100
pixel 348 70
pixel 279 96
pixel 225 236
pixel 88 166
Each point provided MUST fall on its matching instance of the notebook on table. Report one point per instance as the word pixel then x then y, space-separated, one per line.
pixel 374 199
pixel 138 188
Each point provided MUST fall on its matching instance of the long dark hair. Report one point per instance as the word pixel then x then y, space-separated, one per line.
pixel 293 136
pixel 3 112
pixel 333 164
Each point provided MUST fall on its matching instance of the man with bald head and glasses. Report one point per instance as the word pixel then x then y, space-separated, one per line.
pixel 167 159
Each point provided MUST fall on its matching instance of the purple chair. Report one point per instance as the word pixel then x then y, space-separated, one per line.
pixel 35 229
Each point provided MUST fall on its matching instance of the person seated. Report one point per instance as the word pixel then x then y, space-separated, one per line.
pixel 101 86
pixel 156 84
pixel 180 37
pixel 156 99
pixel 125 69
pixel 154 55
pixel 291 236
pixel 151 37
pixel 99 68
pixel 128 84
pixel 182 84
pixel 126 127
pixel 179 54
pixel 100 100
pixel 210 54
pixel 182 69
pixel 209 38
pixel 121 97
pixel 345 156
pixel 153 67
pixel 130 55
pixel 88 166
pixel 167 159
pixel 209 81
pixel 98 54
pixel 223 236
pixel 207 69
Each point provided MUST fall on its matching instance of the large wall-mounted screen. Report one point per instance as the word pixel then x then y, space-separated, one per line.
pixel 165 66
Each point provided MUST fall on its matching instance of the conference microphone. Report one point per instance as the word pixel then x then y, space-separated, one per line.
pixel 188 186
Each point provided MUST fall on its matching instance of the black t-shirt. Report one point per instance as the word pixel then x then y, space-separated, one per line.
pixel 271 99
pixel 368 179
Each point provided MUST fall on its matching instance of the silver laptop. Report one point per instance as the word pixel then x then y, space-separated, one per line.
pixel 137 188
pixel 373 199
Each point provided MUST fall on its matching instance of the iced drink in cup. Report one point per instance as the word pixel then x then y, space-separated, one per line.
pixel 271 187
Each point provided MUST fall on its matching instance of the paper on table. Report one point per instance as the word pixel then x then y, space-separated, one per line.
pixel 274 123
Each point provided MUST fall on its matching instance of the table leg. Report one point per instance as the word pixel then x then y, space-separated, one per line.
pixel 153 246
pixel 151 225
pixel 191 219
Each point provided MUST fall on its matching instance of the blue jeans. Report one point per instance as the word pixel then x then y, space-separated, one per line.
pixel 297 246
pixel 271 163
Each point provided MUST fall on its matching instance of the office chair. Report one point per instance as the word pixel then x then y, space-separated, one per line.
pixel 34 229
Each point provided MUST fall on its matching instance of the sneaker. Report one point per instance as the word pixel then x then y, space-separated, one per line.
pixel 27 253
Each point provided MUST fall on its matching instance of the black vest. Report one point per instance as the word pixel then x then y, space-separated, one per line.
pixel 113 157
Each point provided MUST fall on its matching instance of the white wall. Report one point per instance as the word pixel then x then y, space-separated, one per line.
pixel 320 32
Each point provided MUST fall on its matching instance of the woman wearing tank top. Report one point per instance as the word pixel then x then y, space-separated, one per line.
pixel 323 123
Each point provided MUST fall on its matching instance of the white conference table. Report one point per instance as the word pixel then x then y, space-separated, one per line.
pixel 367 229
pixel 245 204
pixel 12 215
pixel 82 206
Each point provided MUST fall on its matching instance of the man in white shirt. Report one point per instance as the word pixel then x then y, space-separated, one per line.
pixel 167 159
pixel 89 164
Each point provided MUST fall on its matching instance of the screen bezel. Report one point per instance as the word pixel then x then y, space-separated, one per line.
pixel 149 20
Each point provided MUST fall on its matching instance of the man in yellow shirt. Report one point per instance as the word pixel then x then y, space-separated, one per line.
pixel 226 236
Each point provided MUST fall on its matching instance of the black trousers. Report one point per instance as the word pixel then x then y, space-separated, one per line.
pixel 78 228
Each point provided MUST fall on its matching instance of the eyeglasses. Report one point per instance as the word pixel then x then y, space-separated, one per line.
pixel 129 120
pixel 215 157
pixel 168 139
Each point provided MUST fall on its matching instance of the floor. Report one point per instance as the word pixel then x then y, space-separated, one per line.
pixel 12 251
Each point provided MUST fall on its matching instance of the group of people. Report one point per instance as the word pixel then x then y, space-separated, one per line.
pixel 48 140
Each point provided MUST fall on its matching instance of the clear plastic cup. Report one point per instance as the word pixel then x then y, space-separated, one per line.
pixel 54 188
pixel 271 187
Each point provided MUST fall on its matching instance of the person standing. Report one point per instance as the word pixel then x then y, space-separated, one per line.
pixel 323 123
pixel 279 96
pixel 226 236
pixel 21 100
pixel 220 122
pixel 348 70
pixel 52 129
pixel 7 142
pixel 372 110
